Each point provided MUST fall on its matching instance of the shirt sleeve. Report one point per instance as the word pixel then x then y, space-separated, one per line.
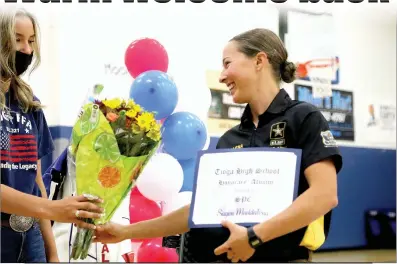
pixel 317 142
pixel 45 144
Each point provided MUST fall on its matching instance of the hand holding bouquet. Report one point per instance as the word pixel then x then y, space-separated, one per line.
pixel 112 141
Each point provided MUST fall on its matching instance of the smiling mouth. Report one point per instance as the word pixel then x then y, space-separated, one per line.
pixel 231 87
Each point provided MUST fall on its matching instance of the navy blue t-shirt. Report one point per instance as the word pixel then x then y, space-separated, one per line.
pixel 24 139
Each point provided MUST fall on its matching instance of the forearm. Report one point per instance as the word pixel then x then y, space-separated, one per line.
pixel 171 224
pixel 45 225
pixel 19 203
pixel 48 237
pixel 309 206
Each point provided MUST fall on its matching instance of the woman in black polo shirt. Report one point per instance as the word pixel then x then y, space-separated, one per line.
pixel 254 64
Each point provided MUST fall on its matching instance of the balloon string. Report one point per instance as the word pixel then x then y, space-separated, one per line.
pixel 162 207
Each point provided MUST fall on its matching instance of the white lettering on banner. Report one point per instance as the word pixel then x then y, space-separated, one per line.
pixel 247 186
pixel 334 117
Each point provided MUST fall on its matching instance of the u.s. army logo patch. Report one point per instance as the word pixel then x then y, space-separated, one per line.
pixel 277 133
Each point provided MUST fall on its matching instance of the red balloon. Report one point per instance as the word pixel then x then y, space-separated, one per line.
pixel 145 55
pixel 170 255
pixel 142 209
pixel 135 192
pixel 152 251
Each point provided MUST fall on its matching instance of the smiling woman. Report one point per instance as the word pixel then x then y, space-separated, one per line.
pixel 255 63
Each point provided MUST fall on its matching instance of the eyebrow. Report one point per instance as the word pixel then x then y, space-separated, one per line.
pixel 223 61
pixel 20 35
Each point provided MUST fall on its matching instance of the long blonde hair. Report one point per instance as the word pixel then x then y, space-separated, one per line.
pixel 23 92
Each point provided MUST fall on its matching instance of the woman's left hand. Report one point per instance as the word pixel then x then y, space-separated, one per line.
pixel 237 246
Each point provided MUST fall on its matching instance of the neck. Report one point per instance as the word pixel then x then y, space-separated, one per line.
pixel 266 92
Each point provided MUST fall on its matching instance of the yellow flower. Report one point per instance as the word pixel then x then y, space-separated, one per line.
pixel 155 126
pixel 130 103
pixel 154 132
pixel 155 135
pixel 112 103
pixel 135 128
pixel 145 121
pixel 137 108
pixel 131 113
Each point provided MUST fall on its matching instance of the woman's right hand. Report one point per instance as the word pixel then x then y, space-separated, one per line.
pixel 65 210
pixel 111 233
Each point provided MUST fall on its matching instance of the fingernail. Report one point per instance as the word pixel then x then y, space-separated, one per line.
pixel 94 227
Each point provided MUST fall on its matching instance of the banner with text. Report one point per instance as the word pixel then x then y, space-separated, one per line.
pixel 337 109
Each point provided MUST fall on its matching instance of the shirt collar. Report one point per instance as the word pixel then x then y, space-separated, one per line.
pixel 277 106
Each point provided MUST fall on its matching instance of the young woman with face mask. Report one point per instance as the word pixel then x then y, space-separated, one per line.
pixel 254 65
pixel 26 234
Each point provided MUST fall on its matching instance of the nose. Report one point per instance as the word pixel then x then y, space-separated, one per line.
pixel 26 48
pixel 222 77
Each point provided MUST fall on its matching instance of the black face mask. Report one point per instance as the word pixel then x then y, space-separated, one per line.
pixel 22 61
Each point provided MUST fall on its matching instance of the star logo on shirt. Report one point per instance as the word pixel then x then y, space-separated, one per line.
pixel 277 130
pixel 27 130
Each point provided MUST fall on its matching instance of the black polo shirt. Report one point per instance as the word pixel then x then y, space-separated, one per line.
pixel 286 123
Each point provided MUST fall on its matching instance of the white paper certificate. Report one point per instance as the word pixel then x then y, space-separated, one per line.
pixel 244 186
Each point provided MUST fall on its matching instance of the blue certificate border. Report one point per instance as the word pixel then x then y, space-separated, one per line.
pixel 297 152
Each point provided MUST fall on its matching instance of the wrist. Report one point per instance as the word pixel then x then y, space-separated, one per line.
pixel 260 231
pixel 46 209
pixel 128 232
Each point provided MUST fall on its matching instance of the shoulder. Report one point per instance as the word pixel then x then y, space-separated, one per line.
pixel 300 111
pixel 229 138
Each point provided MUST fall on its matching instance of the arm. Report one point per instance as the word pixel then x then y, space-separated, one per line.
pixel 173 223
pixel 45 225
pixel 321 161
pixel 63 211
pixel 318 200
pixel 19 203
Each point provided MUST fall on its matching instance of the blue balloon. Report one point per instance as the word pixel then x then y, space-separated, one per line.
pixel 184 134
pixel 189 167
pixel 155 92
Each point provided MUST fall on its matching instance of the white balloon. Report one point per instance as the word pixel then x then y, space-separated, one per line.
pixel 207 143
pixel 177 201
pixel 161 178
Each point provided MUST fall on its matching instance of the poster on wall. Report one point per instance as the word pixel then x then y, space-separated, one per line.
pixel 380 124
pixel 223 113
pixel 337 109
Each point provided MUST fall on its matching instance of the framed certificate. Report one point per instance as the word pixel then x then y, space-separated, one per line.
pixel 245 186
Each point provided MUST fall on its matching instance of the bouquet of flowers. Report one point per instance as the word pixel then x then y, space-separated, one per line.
pixel 111 143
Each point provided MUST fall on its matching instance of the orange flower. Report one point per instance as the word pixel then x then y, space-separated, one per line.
pixel 111 117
